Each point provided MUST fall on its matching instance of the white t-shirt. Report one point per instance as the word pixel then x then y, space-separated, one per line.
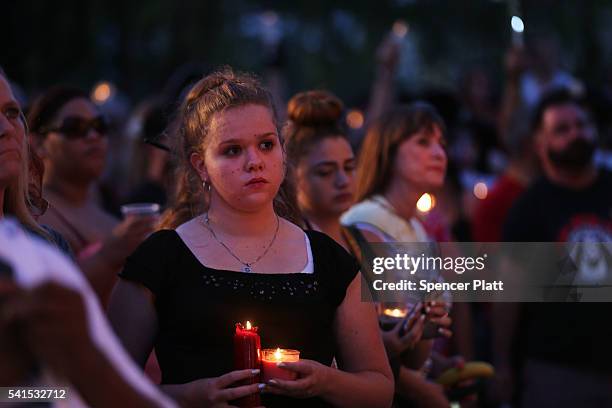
pixel 34 262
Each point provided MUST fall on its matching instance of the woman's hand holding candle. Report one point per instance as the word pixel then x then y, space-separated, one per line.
pixel 311 382
pixel 247 355
pixel 272 358
pixel 214 392
pixel 406 333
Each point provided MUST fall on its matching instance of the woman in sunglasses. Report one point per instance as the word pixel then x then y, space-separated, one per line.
pixel 71 137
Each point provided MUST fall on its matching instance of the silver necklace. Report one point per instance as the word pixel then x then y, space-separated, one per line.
pixel 246 266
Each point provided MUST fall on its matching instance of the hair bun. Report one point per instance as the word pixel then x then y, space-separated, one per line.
pixel 315 108
pixel 225 83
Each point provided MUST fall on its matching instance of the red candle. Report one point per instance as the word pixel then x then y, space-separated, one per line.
pixel 269 363
pixel 247 348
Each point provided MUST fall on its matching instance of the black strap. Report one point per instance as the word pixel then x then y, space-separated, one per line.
pixel 364 245
pixel 366 254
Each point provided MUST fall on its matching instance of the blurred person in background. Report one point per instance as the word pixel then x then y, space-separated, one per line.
pixel 564 354
pixel 491 212
pixel 477 96
pixel 318 148
pixel 448 219
pixel 518 140
pixel 47 322
pixel 150 174
pixel 71 137
pixel 150 171
pixel 325 164
pixel 543 72
pixel 20 176
pixel 402 157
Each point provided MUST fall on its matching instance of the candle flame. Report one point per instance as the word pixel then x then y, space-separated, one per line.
pixel 248 325
pixel 278 354
pixel 426 203
pixel 395 312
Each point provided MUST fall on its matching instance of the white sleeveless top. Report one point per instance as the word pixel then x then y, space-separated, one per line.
pixel 376 215
pixel 309 268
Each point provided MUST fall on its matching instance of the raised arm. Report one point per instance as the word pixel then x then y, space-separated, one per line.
pixel 382 94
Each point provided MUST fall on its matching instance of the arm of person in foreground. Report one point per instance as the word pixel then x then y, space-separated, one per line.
pixel 55 327
pixel 364 378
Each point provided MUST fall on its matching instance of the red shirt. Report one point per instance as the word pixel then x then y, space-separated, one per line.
pixel 491 212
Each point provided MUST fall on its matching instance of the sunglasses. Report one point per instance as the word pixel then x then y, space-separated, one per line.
pixel 76 127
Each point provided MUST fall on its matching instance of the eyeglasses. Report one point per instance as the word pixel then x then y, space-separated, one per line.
pixel 77 127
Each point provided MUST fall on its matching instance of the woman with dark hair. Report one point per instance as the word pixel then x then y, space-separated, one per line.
pixel 402 157
pixel 323 160
pixel 71 138
pixel 232 254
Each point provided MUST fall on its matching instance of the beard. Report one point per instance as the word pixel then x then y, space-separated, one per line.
pixel 574 157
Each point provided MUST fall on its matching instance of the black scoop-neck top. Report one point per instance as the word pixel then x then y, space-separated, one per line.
pixel 197 307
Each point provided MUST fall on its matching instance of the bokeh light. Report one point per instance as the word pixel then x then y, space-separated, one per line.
pixel 400 28
pixel 480 190
pixel 517 24
pixel 354 119
pixel 102 92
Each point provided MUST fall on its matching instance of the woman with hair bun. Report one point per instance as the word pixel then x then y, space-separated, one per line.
pixel 231 253
pixel 324 163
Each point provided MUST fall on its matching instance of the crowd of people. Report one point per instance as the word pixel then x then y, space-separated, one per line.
pixel 268 218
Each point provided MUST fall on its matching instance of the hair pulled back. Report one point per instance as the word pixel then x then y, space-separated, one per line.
pixel 189 132
pixel 313 117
